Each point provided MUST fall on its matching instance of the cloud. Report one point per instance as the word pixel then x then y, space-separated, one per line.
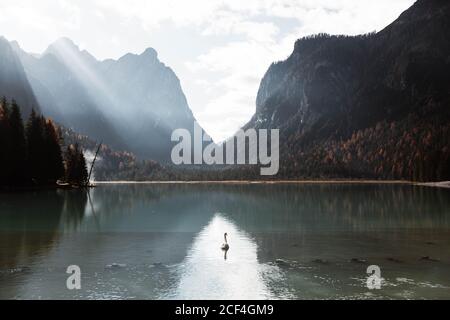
pixel 220 49
pixel 238 66
pixel 231 23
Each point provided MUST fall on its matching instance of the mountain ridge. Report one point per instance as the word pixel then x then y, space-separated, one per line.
pixel 332 87
pixel 132 103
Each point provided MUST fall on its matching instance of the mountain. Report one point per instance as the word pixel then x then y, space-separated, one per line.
pixel 375 105
pixel 13 80
pixel 133 103
pixel 67 94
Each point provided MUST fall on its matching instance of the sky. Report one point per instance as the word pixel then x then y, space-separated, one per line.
pixel 219 49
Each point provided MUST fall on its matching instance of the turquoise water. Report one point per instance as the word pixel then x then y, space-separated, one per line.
pixel 155 241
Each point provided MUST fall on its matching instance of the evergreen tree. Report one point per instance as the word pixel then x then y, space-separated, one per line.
pixel 31 154
pixel 36 146
pixel 4 141
pixel 55 166
pixel 70 162
pixel 83 172
pixel 76 170
pixel 17 154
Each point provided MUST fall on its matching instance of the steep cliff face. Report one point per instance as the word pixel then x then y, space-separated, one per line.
pixel 357 81
pixel 331 87
pixel 316 82
pixel 13 80
pixel 149 96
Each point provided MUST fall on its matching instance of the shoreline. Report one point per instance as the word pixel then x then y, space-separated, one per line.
pixel 405 182
pixel 439 184
pixel 16 189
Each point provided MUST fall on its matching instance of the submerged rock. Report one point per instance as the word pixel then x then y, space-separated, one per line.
pixel 356 260
pixel 427 258
pixel 115 265
pixel 282 263
pixel 394 260
pixel 16 270
pixel 157 265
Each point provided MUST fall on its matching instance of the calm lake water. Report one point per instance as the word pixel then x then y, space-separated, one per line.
pixel 286 242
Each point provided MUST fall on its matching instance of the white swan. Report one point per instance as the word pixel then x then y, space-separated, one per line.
pixel 225 245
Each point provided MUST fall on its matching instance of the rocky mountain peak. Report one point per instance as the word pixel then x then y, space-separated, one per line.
pixel 150 54
pixel 66 50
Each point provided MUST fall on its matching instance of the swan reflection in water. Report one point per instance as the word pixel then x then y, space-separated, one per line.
pixel 225 247
pixel 205 275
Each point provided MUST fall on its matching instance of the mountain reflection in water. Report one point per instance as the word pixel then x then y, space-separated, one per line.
pixel 286 241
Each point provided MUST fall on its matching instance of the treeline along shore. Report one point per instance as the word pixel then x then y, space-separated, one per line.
pixel 31 155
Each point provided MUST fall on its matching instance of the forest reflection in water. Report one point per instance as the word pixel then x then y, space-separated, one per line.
pixel 287 241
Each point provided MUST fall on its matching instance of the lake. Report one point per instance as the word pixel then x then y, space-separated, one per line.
pixel 287 241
